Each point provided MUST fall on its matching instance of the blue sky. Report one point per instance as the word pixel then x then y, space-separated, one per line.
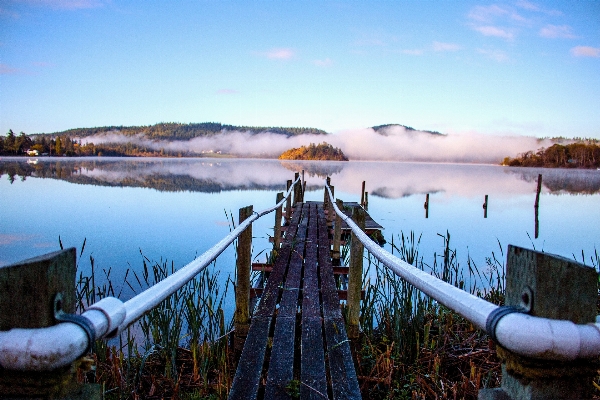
pixel 494 68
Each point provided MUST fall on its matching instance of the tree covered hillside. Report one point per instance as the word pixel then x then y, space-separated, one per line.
pixel 177 131
pixel 323 151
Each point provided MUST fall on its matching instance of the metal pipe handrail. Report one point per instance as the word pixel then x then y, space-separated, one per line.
pixel 519 333
pixel 44 349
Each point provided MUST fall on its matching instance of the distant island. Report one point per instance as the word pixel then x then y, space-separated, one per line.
pixel 312 152
pixel 582 154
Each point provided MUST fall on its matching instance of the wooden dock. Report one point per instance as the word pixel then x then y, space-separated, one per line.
pixel 297 344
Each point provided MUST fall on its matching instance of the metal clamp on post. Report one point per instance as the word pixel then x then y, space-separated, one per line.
pixel 495 317
pixel 78 320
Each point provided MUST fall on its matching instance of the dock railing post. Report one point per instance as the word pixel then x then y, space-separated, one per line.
pixel 288 204
pixel 242 288
pixel 355 275
pixel 277 229
pixel 28 291
pixel 337 235
pixel 329 208
pixel 548 286
pixel 297 189
pixel 362 195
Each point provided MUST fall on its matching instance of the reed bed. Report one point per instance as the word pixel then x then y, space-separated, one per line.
pixel 410 346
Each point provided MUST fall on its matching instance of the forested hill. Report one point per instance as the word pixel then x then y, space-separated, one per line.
pixel 177 131
pixel 381 129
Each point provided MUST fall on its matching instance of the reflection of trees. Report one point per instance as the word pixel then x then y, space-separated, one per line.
pixel 562 180
pixel 319 169
pixel 126 174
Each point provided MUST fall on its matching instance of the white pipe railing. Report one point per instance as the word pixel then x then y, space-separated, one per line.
pixel 523 334
pixel 45 349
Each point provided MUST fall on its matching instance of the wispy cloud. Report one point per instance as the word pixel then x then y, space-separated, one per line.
pixel 328 62
pixel 556 31
pixel 280 54
pixel 440 46
pixel 496 55
pixel 495 31
pixel 66 4
pixel 486 13
pixel 413 52
pixel 227 91
pixel 529 6
pixel 43 64
pixel 8 70
pixel 585 51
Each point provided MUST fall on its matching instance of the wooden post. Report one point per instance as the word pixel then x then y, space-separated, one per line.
pixel 337 235
pixel 326 195
pixel 277 230
pixel 366 201
pixel 242 288
pixel 27 293
pixel 297 190
pixel 426 206
pixel 536 206
pixel 330 210
pixel 303 187
pixel 288 204
pixel 362 194
pixel 485 206
pixel 550 287
pixel 355 275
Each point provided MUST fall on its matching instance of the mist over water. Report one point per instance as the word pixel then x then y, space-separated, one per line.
pixel 394 143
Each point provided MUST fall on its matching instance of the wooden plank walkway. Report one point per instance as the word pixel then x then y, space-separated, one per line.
pixel 297 343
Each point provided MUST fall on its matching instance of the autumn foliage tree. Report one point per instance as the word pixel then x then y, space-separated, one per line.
pixel 574 155
pixel 323 151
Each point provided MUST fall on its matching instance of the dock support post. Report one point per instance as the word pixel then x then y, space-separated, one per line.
pixel 27 300
pixel 362 195
pixel 536 206
pixel 355 275
pixel 303 187
pixel 548 286
pixel 329 208
pixel 297 189
pixel 426 205
pixel 366 201
pixel 337 235
pixel 277 229
pixel 326 195
pixel 485 206
pixel 242 288
pixel 288 204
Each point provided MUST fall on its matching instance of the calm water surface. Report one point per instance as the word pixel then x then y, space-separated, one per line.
pixel 175 209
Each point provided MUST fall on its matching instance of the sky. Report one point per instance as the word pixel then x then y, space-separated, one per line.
pixel 499 68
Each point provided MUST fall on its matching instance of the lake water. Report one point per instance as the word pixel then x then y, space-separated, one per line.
pixel 175 209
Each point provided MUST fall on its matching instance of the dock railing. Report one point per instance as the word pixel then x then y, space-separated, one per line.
pixel 547 334
pixel 40 335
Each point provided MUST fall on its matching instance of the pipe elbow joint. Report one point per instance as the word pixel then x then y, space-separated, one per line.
pixel 114 311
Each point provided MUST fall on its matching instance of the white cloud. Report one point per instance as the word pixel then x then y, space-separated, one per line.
pixel 280 54
pixel 67 4
pixel 495 31
pixel 585 51
pixel 8 70
pixel 496 55
pixel 413 52
pixel 328 62
pixel 555 31
pixel 440 46
pixel 487 13
pixel 227 91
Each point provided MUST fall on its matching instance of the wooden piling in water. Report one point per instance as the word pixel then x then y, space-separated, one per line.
pixel 426 205
pixel 485 206
pixel 242 289
pixel 362 194
pixel 536 206
pixel 355 275
pixel 297 189
pixel 547 286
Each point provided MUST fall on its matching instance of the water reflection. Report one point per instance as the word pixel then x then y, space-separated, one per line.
pixel 384 179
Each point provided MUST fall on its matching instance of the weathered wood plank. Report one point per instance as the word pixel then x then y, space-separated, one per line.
pixel 246 382
pixel 281 364
pixel 339 357
pixel 313 374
